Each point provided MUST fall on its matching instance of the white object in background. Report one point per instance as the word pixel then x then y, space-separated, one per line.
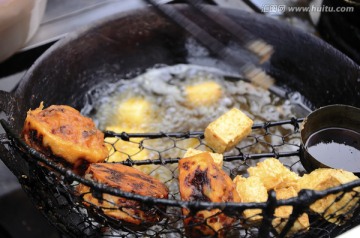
pixel 354 232
pixel 71 20
pixel 19 20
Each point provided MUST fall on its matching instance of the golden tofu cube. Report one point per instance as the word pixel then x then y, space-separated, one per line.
pixel 228 130
pixel 283 213
pixel 274 174
pixel 332 208
pixel 251 190
pixel 218 158
pixel 203 94
pixel 134 112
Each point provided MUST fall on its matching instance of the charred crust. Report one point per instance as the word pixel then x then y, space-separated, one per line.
pixel 35 138
pixel 86 134
pixel 139 182
pixel 63 129
pixel 185 166
pixel 48 111
pixel 81 166
pixel 198 182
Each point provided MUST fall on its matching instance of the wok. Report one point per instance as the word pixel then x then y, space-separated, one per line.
pixel 127 44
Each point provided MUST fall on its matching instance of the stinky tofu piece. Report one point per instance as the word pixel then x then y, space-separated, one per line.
pixel 274 174
pixel 251 190
pixel 203 94
pixel 228 130
pixel 218 158
pixel 200 179
pixel 134 112
pixel 126 179
pixel 61 131
pixel 333 210
pixel 283 213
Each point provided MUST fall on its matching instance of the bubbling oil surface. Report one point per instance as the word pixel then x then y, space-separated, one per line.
pixel 165 90
pixel 336 147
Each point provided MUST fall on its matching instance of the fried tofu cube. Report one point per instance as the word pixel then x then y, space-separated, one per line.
pixel 251 190
pixel 203 94
pixel 134 112
pixel 274 174
pixel 228 130
pixel 283 213
pixel 218 158
pixel 335 208
pixel 200 179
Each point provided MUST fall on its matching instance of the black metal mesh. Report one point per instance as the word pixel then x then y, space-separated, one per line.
pixel 54 189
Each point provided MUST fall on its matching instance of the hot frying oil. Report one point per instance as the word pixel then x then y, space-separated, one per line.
pixel 336 148
pixel 181 98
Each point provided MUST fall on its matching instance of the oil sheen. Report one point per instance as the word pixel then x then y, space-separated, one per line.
pixel 336 147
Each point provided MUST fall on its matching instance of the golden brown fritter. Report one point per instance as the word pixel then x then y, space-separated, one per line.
pixel 201 179
pixel 126 179
pixel 335 208
pixel 62 132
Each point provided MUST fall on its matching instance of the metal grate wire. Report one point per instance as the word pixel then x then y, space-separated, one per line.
pixel 52 188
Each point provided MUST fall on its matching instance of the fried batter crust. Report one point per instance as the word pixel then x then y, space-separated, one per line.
pixel 251 190
pixel 126 179
pixel 335 208
pixel 283 213
pixel 201 179
pixel 61 131
pixel 274 174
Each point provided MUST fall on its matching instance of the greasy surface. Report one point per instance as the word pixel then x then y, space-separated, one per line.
pixel 274 174
pixel 126 179
pixel 228 130
pixel 283 213
pixel 62 131
pixel 200 179
pixel 335 208
pixel 251 190
pixel 218 158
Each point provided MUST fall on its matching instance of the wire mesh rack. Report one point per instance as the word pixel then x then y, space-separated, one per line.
pixel 55 190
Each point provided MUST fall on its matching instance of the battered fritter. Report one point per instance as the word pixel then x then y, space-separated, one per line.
pixel 63 134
